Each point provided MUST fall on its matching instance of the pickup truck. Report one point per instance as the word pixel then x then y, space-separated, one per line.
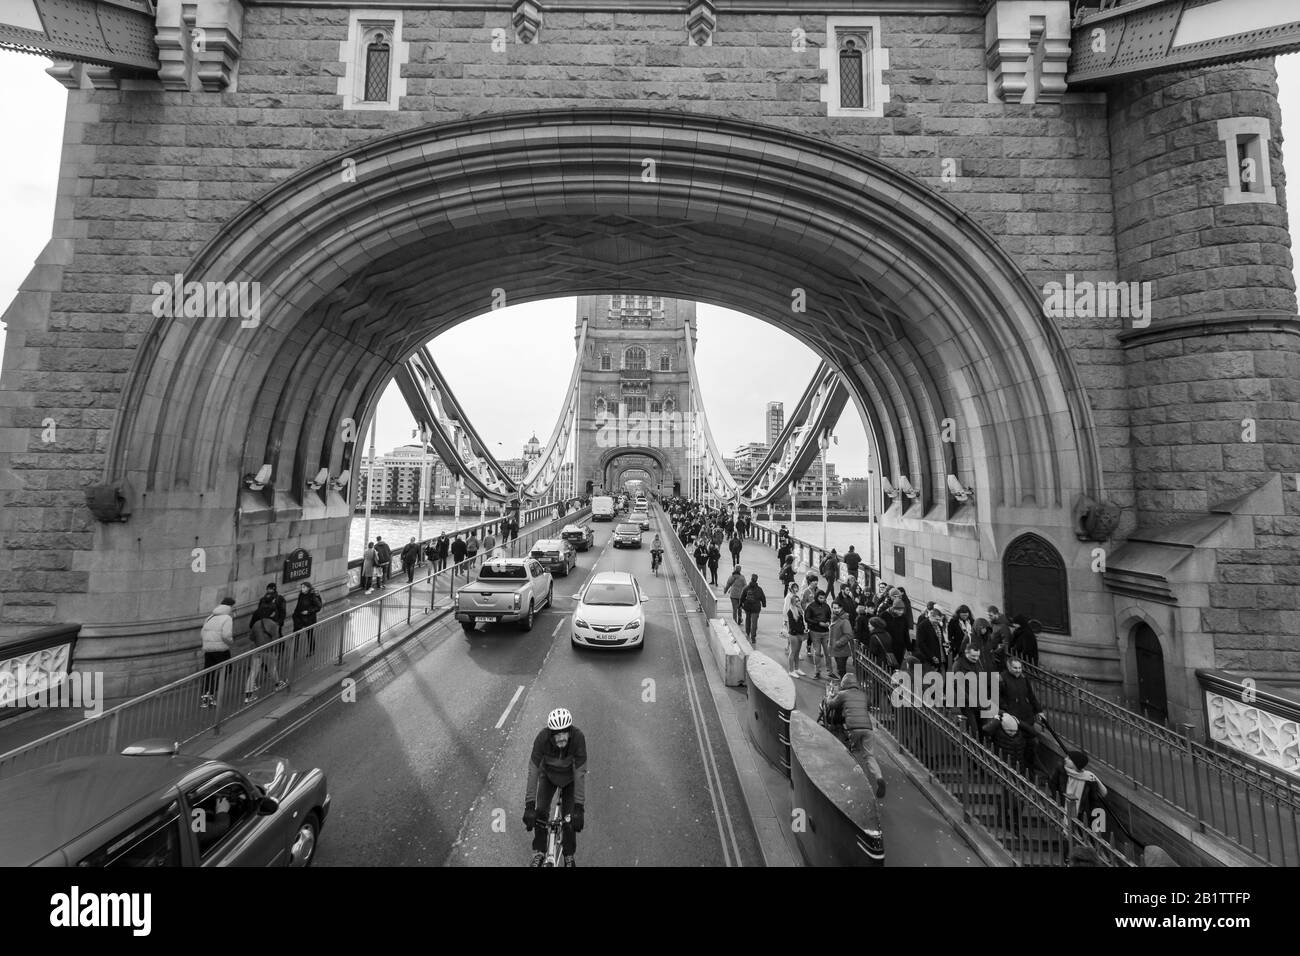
pixel 507 589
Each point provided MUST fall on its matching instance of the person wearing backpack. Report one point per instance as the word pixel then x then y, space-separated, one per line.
pixel 264 630
pixel 734 588
pixel 851 702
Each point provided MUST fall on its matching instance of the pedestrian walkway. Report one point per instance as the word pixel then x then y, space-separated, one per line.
pixel 374 615
pixel 916 833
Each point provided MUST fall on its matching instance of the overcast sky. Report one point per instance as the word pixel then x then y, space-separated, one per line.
pixel 526 387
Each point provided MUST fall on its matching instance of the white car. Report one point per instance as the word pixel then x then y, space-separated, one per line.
pixel 609 612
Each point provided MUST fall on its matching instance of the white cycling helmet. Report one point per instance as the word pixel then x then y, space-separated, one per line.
pixel 559 719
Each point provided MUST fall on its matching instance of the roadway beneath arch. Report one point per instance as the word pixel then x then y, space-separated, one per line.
pixel 936 331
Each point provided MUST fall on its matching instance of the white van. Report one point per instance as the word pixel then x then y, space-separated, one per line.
pixel 602 508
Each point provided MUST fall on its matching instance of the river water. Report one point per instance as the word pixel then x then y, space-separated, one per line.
pixel 839 534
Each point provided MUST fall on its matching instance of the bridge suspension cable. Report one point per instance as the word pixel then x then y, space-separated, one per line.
pixel 446 428
pixel 799 443
pixel 710 470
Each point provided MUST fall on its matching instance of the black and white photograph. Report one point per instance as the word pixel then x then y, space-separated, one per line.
pixel 495 435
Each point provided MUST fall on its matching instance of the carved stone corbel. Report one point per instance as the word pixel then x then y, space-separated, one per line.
pixel 526 15
pixel 1027 48
pixel 220 27
pixel 701 21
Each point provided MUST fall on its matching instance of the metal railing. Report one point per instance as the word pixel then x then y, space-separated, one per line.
pixel 176 711
pixel 807 556
pixel 1033 828
pixel 703 593
pixel 491 525
pixel 1243 802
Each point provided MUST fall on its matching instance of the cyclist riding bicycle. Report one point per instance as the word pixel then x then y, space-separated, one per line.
pixel 656 553
pixel 558 762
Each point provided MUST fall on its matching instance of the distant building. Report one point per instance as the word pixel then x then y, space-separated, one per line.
pixel 397 478
pixel 775 422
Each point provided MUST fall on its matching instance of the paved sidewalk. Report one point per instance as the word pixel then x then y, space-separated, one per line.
pixel 920 825
pixel 29 726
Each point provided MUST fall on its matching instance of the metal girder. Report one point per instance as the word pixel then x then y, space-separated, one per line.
pixel 436 410
pixel 816 414
pixel 713 468
pixel 116 33
pixel 1147 36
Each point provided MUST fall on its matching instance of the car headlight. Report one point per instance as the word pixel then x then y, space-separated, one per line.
pixel 579 622
pixel 631 625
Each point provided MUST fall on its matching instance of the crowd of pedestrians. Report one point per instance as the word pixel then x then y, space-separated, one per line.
pixel 828 612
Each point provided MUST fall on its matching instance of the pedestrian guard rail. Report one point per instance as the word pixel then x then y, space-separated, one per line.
pixel 176 711
pixel 1028 823
pixel 1240 800
pixel 708 601
pixel 491 525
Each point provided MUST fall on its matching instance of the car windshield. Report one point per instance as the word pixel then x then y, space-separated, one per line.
pixel 612 594
pixel 508 572
pixel 629 529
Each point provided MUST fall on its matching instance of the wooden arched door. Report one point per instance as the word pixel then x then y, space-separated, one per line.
pixel 1035 583
pixel 1150 658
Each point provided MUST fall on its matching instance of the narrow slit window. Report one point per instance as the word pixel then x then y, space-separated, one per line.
pixel 1249 164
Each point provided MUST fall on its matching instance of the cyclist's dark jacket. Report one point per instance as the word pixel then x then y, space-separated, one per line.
pixel 559 765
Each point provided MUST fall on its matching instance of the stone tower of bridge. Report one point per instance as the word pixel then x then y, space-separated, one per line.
pixel 633 390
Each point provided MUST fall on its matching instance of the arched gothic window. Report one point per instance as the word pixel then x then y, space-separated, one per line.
pixel 378 60
pixel 665 362
pixel 604 362
pixel 634 358
pixel 852 77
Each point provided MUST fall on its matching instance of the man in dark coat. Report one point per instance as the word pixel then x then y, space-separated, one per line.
pixel 752 601
pixel 410 555
pixel 734 546
pixel 852 560
pixel 383 559
pixel 458 551
pixel 1024 638
pixel 929 647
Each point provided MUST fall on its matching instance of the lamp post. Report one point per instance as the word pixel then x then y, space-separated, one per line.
pixel 824 444
pixel 370 475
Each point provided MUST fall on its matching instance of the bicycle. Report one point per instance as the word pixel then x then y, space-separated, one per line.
pixel 554 835
pixel 656 559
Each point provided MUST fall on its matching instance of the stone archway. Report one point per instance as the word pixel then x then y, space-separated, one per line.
pixel 928 319
pixel 613 462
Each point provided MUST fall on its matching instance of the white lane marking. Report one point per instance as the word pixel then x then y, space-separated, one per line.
pixel 506 713
pixel 558 625
pixel 712 777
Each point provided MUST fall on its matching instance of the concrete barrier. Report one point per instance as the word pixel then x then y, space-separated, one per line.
pixel 837 819
pixel 770 689
pixel 727 653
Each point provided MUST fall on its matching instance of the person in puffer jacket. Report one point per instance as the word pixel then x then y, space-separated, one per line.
pixel 218 640
pixel 851 702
